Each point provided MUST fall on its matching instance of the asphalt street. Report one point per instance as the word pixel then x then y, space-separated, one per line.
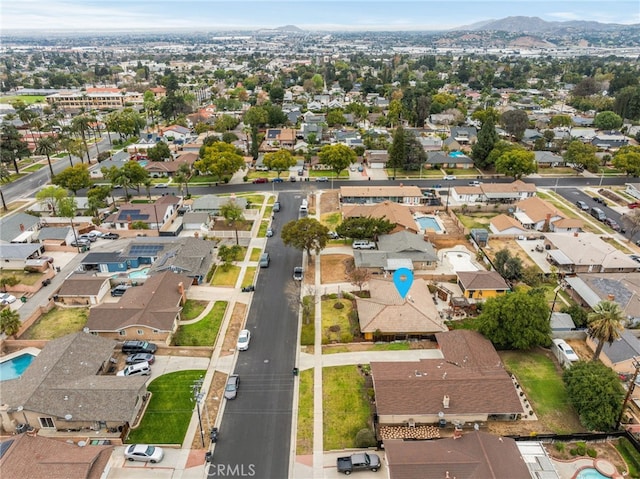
pixel 256 426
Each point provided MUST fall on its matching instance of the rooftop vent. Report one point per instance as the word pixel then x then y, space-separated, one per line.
pixel 445 402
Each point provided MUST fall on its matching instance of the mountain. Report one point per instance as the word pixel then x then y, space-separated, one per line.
pixel 537 25
pixel 289 28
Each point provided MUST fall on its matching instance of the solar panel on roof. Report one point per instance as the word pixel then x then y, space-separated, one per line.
pixel 145 249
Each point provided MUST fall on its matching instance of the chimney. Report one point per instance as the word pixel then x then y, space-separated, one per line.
pixel 183 296
pixel 611 297
pixel 575 234
pixel 445 402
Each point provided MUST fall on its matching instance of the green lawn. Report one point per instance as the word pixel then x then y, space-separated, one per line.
pixel 335 322
pixel 344 406
pixel 28 99
pixel 226 278
pixel 205 331
pixel 32 168
pixel 167 417
pixel 255 254
pixel 262 232
pixel 24 277
pixel 426 173
pixel 192 309
pixel 304 442
pixel 403 346
pixel 57 323
pixel 308 332
pixel 476 220
pixel 255 200
pixel 544 388
pixel 249 276
pixel 331 220
pixel 268 211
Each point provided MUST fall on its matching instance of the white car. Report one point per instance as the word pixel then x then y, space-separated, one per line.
pixel 450 177
pixel 243 340
pixel 162 185
pixel 144 453
pixel 6 298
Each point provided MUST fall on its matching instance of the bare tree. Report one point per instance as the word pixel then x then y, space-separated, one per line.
pixel 357 276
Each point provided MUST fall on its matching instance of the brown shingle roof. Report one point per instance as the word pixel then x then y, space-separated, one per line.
pixel 394 212
pixel 503 222
pixel 154 304
pixel 475 455
pixel 537 209
pixel 35 457
pixel 482 280
pixel 81 285
pixel 380 191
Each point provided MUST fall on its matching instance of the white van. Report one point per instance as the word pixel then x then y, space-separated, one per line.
pixel 304 207
pixel 140 369
pixel 566 356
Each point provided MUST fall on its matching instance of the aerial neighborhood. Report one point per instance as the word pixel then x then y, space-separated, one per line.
pixel 287 254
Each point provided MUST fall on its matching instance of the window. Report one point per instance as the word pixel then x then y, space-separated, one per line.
pixel 122 333
pixel 46 422
pixel 140 332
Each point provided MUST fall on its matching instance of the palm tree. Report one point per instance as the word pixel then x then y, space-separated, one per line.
pixel 605 324
pixel 10 322
pixel 184 175
pixel 47 146
pixel 81 124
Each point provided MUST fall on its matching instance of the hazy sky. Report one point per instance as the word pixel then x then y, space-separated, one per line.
pixel 140 15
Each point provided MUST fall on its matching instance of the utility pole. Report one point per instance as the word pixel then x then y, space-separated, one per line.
pixel 198 395
pixel 632 386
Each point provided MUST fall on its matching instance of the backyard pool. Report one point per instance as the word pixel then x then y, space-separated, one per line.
pixel 591 473
pixel 13 368
pixel 137 274
pixel 428 223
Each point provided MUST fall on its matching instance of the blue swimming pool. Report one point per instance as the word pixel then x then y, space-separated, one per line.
pixel 13 368
pixel 591 473
pixel 427 223
pixel 456 154
pixel 143 273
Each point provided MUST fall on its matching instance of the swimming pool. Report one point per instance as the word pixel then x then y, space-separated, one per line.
pixel 591 473
pixel 14 367
pixel 428 223
pixel 137 274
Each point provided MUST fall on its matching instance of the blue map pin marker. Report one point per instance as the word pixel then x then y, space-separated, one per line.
pixel 403 279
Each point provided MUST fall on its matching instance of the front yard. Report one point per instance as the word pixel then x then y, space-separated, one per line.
pixel 337 322
pixel 226 278
pixel 57 323
pixel 304 442
pixel 205 331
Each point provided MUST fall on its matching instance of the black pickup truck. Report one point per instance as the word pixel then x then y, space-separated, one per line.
pixel 358 462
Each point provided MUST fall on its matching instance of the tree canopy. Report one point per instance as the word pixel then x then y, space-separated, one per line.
pixel 515 122
pixel 607 120
pixel 159 152
pixel 518 320
pixel 582 155
pixel 221 160
pixel 306 234
pixel 517 163
pixel 280 160
pixel 605 324
pixel 364 227
pixel 338 157
pixel 73 178
pixel 487 139
pixel 51 195
pixel 627 159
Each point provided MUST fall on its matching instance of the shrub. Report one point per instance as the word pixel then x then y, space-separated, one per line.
pixel 346 337
pixel 581 447
pixel 592 453
pixel 338 306
pixel 560 446
pixel 365 438
pixel 332 296
pixel 630 455
pixel 573 451
pixel 346 295
pixel 334 328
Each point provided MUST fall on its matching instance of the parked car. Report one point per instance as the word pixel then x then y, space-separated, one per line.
pixel 81 242
pixel 301 172
pixel 582 205
pixel 322 179
pixel 360 168
pixel 276 207
pixel 243 340
pixel 261 180
pixel 139 369
pixel 144 453
pixel 162 185
pixel 362 461
pixel 298 273
pixel 475 183
pixel 611 223
pixel 120 289
pixel 270 232
pixel 262 168
pixel 88 237
pixel 353 168
pixel 134 346
pixel 450 177
pixel 333 235
pixel 363 244
pixel 277 180
pixel 111 236
pixel 633 205
pixel 292 179
pixel 264 260
pixel 231 389
pixel 140 358
pixel 6 298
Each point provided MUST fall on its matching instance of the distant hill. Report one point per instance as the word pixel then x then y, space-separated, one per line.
pixel 538 25
pixel 289 28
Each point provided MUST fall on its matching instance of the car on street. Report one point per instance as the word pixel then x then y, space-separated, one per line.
pixel 140 358
pixel 322 179
pixel 6 298
pixel 144 453
pixel 120 289
pixel 264 260
pixel 635 257
pixel 270 232
pixel 353 168
pixel 261 180
pixel 475 183
pixel 611 223
pixel 81 242
pixel 262 168
pixel 360 168
pixel 582 205
pixel 243 340
pixel 231 389
pixel 633 205
pixel 276 207
pixel 162 185
pixel 277 180
pixel 298 273
pixel 450 177
pixel 111 236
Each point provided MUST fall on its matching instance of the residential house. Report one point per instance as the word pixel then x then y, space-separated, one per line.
pixel 506 225
pixel 68 387
pixel 548 159
pixel 398 250
pixel 14 256
pixel 586 253
pixel 494 192
pixel 440 160
pixel 278 138
pixel 175 132
pixel 536 214
pixel 409 195
pixel 196 221
pixel 159 169
pixel 633 189
pixel 442 119
pixel 30 456
pixel 81 289
pixel 154 215
pixel 621 354
pixel 586 135
pixel 113 261
pixel 386 314
pixel 57 235
pixel 400 215
pixel 468 384
pixel 212 203
pixel 464 135
pixel 376 159
pixel 561 323
pixel 481 285
pixel 610 141
pixel 471 455
pixel 18 228
pixel 148 312
pixel 431 143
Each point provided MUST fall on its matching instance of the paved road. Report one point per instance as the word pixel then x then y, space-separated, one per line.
pixel 256 426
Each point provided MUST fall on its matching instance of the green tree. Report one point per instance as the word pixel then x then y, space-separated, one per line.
pixel 126 122
pixel 518 320
pixel 397 150
pixel 508 266
pixel 364 227
pixel 335 117
pixel 607 120
pixel 51 196
pixel 135 173
pixel 118 178
pixel 306 234
pixel 486 114
pixel 47 146
pixel 627 159
pixel 582 155
pixel 12 148
pixel 183 176
pixel 10 322
pixel 225 123
pixel 577 313
pixel 595 393
pixel 560 120
pixel 487 139
pixel 515 122
pixel 81 125
pixel 605 324
pixel 220 160
pixel 73 178
pixel 517 163
pixel 232 213
pixel 67 208
pixel 338 157
pixel 280 160
pixel 255 117
pixel 228 254
pixel 159 152
pixel 8 280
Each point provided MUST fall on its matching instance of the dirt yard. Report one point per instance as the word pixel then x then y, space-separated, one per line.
pixel 210 409
pixel 329 201
pixel 235 325
pixel 333 268
pixel 514 248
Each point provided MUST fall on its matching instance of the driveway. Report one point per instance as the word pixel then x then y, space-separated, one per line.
pixel 171 364
pixel 330 471
pixel 174 464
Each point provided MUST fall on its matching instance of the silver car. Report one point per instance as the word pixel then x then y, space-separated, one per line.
pixel 144 453
pixel 231 389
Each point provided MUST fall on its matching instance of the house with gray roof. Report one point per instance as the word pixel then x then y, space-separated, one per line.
pixel 212 203
pixel 548 159
pixel 18 228
pixel 610 140
pixel 14 255
pixel 57 235
pixel 439 159
pixel 70 386
pixel 82 289
pixel 398 250
pixel 620 354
